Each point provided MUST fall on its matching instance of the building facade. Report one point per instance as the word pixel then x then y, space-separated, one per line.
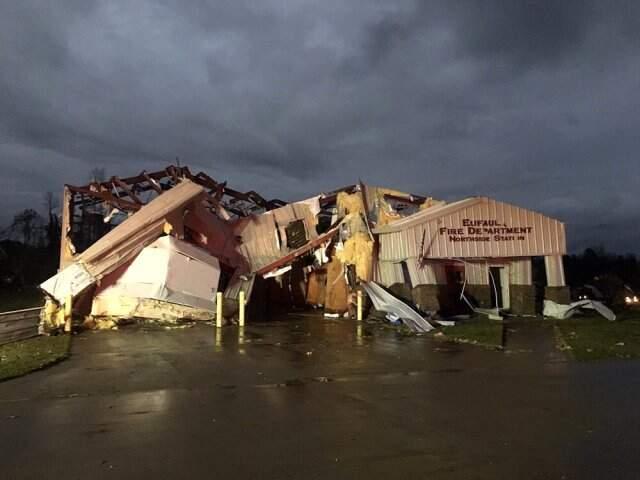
pixel 478 247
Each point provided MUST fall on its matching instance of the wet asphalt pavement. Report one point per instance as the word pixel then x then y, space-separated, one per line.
pixel 310 398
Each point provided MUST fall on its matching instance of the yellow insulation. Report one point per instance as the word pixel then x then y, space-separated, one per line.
pixel 385 215
pixel 349 203
pixel 51 316
pixel 337 289
pixel 430 202
pixel 358 251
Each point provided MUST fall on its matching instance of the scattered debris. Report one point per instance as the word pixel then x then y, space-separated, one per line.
pixel 562 312
pixel 386 302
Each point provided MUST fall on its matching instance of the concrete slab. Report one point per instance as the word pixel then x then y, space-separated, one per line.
pixel 314 398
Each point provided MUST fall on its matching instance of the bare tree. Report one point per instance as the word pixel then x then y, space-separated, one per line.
pixel 28 224
pixel 53 225
pixel 50 203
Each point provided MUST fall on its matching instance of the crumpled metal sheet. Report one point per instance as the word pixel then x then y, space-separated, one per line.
pixel 386 302
pixel 562 312
pixel 68 282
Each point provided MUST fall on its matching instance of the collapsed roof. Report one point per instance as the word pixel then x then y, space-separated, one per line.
pixel 90 211
pixel 178 212
pixel 106 225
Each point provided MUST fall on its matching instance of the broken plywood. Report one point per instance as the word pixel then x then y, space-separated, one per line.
pixel 337 290
pixel 109 311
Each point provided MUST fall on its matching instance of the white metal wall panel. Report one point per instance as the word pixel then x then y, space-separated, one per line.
pixel 521 271
pixel 555 271
pixel 390 273
pixel 476 273
pixel 429 273
pixel 517 232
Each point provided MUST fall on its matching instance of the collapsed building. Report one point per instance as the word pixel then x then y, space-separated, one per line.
pixel 161 245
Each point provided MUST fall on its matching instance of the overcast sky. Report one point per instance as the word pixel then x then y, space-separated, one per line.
pixel 533 103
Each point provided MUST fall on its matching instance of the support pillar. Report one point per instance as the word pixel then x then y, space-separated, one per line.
pixel 241 305
pixel 66 247
pixel 68 313
pixel 522 292
pixel 556 289
pixel 219 309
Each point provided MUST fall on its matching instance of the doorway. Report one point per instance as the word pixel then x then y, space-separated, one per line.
pixel 450 301
pixel 499 283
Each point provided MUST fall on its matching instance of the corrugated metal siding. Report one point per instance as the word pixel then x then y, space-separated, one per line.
pixel 555 271
pixel 295 211
pixel 433 272
pixel 259 243
pixel 546 238
pixel 237 284
pixel 476 273
pixel 520 272
pixel 429 273
pixel 389 273
pixel 264 238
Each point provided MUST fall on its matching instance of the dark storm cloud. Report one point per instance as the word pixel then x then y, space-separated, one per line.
pixel 530 102
pixel 527 32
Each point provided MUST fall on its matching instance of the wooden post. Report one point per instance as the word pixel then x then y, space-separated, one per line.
pixel 241 303
pixel 359 298
pixel 68 310
pixel 218 337
pixel 66 254
pixel 219 309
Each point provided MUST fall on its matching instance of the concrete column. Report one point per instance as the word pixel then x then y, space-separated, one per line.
pixel 429 283
pixel 522 293
pixel 427 297
pixel 481 293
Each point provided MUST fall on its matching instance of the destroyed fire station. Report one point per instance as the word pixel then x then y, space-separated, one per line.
pixel 172 245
